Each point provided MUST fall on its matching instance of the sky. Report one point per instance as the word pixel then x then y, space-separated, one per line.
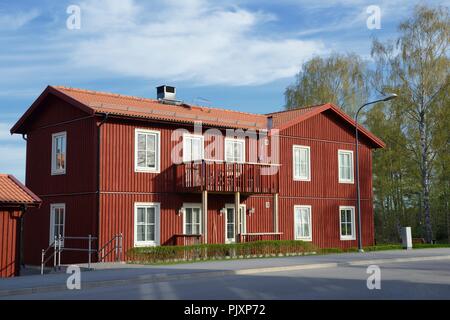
pixel 234 54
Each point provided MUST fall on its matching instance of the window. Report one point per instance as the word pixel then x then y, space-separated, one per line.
pixel 347 223
pixel 147 150
pixel 192 147
pixel 146 224
pixel 234 150
pixel 192 218
pixel 59 153
pixel 230 222
pixel 302 223
pixel 345 159
pixel 57 221
pixel 302 163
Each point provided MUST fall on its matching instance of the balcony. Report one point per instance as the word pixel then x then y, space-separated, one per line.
pixel 225 177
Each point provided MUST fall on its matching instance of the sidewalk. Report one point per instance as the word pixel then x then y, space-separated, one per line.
pixel 110 274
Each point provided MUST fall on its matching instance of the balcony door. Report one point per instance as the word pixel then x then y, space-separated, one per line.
pixel 230 222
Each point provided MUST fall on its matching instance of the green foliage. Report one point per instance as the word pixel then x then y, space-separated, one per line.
pixel 339 79
pixel 161 254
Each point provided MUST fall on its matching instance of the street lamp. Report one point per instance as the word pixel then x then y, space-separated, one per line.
pixel 358 193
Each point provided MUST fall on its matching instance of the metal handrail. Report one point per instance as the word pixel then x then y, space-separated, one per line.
pixel 58 248
pixel 118 247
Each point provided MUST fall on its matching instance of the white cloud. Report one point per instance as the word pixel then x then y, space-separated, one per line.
pixel 17 20
pixel 196 40
pixel 12 151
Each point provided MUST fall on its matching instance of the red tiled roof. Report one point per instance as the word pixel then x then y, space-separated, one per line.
pixel 282 117
pixel 12 192
pixel 102 102
pixel 95 102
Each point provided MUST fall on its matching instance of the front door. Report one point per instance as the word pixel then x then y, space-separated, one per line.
pixel 230 222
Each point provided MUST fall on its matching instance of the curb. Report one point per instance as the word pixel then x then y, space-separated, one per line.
pixel 209 274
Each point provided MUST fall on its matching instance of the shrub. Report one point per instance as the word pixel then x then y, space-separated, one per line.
pixel 163 254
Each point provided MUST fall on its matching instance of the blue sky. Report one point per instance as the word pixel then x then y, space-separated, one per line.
pixel 235 54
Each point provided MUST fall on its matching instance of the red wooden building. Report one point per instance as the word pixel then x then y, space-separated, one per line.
pixel 164 172
pixel 15 198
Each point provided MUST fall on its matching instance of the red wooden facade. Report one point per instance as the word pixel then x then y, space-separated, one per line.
pixel 100 186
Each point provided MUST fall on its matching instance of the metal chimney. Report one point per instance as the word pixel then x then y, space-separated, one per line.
pixel 166 93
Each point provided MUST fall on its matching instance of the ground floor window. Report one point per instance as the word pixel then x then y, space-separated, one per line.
pixel 347 222
pixel 57 221
pixel 192 218
pixel 146 224
pixel 302 223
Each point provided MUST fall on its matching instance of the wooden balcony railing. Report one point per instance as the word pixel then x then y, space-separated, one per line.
pixel 250 237
pixel 186 239
pixel 226 177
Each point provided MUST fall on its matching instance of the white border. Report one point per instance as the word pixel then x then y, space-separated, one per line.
pixel 353 236
pixel 51 236
pixel 54 171
pixel 244 222
pixel 299 178
pixel 190 135
pixel 157 241
pixel 225 149
pixel 192 205
pixel 310 224
pixel 352 180
pixel 158 151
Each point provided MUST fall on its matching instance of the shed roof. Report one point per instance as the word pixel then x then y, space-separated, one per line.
pixel 13 193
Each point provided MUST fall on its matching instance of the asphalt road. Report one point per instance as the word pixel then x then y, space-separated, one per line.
pixel 411 280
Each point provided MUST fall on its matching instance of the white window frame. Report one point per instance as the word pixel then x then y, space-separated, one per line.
pixel 56 171
pixel 296 221
pixel 194 136
pixel 352 169
pixel 52 235
pixel 243 222
pixel 158 151
pixel 346 237
pixel 299 177
pixel 242 141
pixel 192 206
pixel 157 240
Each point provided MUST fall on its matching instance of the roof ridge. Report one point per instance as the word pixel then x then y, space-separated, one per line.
pixel 111 94
pixel 298 108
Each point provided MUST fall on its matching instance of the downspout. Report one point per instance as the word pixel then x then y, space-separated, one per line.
pixel 99 134
pixel 21 253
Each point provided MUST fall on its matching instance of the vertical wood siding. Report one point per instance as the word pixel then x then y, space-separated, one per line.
pixel 9 243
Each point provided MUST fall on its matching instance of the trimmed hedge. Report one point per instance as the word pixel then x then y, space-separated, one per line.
pixel 164 254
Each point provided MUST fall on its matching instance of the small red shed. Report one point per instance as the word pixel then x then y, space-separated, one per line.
pixel 15 198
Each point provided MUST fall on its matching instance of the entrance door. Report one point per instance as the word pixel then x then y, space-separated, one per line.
pixel 230 222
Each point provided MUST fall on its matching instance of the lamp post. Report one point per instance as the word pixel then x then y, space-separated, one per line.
pixel 358 192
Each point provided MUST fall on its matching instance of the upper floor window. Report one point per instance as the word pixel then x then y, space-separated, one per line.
pixel 234 150
pixel 302 163
pixel 345 159
pixel 59 142
pixel 347 223
pixel 193 146
pixel 147 150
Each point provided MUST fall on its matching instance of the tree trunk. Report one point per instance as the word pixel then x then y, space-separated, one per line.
pixel 425 179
